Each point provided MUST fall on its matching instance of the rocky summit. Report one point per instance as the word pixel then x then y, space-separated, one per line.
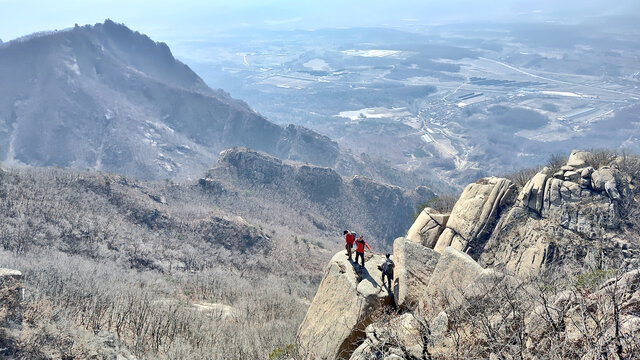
pixel 546 269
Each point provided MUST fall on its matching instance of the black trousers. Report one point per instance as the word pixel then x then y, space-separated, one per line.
pixel 389 277
pixel 361 255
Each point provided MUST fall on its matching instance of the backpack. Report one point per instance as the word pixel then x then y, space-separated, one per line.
pixel 355 236
pixel 387 266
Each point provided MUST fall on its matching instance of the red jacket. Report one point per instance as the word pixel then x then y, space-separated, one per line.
pixel 349 237
pixel 360 246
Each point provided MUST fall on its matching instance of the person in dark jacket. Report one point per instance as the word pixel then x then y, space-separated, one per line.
pixel 387 270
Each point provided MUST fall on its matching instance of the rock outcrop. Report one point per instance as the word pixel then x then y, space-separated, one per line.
pixel 572 215
pixel 341 310
pixel 428 227
pixel 475 289
pixel 383 211
pixel 454 272
pixel 475 213
pixel 414 265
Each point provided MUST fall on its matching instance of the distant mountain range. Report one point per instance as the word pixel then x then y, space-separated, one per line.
pixel 107 98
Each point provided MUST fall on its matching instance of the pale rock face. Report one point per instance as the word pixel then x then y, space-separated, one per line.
pixel 586 172
pixel 572 176
pixel 448 238
pixel 339 313
pixel 10 273
pixel 597 182
pixel 609 176
pixel 453 273
pixel 578 158
pixel 475 213
pixel 428 227
pixel 584 183
pixel 532 193
pixel 414 265
pixel 576 221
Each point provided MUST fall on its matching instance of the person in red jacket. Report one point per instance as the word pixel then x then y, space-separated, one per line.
pixel 360 245
pixel 350 239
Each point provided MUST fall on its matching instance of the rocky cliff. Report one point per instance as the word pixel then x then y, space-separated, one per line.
pixel 547 270
pixel 370 207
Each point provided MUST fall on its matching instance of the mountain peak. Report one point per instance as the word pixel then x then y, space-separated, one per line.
pixel 106 97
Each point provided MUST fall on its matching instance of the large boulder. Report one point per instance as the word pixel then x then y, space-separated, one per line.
pixel 578 158
pixel 454 272
pixel 609 176
pixel 339 313
pixel 427 228
pixel 475 213
pixel 532 193
pixel 414 265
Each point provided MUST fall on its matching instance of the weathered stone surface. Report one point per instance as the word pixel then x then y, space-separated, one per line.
pixel 339 313
pixel 414 265
pixel 597 183
pixel 212 186
pixel 609 176
pixel 573 225
pixel 484 283
pixel 572 176
pixel 584 183
pixel 439 326
pixel 446 239
pixel 578 158
pixel 532 193
pixel 368 348
pixel 453 273
pixel 586 172
pixel 407 334
pixel 428 227
pixel 393 357
pixel 10 273
pixel 566 168
pixel 552 193
pixel 474 214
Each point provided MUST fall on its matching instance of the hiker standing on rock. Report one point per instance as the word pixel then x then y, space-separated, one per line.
pixel 360 244
pixel 387 270
pixel 350 238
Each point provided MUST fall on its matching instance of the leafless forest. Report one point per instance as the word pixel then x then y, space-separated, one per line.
pixel 110 262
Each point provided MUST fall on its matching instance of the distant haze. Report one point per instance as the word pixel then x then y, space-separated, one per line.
pixel 179 20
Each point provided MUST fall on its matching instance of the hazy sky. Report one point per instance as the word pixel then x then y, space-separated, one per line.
pixel 166 20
